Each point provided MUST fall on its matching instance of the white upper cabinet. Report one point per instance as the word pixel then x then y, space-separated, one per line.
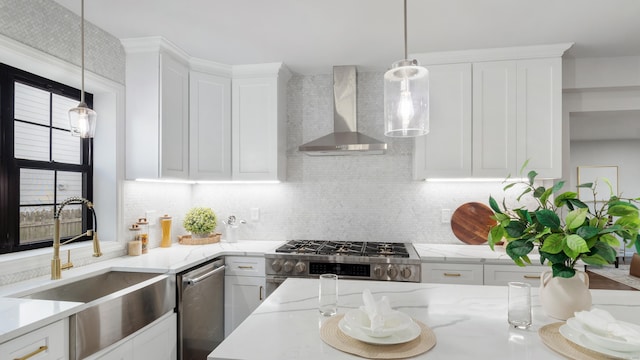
pixel 491 111
pixel 209 127
pixel 450 124
pixel 259 120
pixel 157 111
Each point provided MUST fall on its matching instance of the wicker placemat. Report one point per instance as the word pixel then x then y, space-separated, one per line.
pixel 551 337
pixel 332 335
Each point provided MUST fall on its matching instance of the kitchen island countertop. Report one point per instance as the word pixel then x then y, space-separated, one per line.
pixel 470 322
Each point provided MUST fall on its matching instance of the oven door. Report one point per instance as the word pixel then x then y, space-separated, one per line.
pixel 272 283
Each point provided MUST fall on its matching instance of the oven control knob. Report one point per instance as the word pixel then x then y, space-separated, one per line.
pixel 276 265
pixel 392 271
pixel 300 267
pixel 406 273
pixel 288 266
pixel 377 271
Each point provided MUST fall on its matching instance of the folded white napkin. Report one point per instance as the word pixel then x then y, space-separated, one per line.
pixel 376 310
pixel 601 322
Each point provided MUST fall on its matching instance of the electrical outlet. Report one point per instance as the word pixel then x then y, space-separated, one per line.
pixel 255 214
pixel 446 215
pixel 151 217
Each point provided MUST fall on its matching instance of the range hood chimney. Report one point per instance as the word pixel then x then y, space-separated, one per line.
pixel 345 138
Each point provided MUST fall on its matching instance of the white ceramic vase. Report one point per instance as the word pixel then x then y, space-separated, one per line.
pixel 562 297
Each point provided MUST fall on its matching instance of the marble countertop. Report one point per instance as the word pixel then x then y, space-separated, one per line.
pixel 20 316
pixel 467 253
pixel 469 321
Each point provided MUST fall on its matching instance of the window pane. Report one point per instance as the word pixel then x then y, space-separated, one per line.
pixel 69 184
pixel 70 221
pixel 31 142
pixel 31 104
pixel 36 223
pixel 60 111
pixel 66 148
pixel 36 187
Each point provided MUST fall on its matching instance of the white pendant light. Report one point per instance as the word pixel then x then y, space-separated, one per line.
pixel 406 96
pixel 82 120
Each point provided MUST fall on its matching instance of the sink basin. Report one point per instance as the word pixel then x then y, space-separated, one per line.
pixel 118 303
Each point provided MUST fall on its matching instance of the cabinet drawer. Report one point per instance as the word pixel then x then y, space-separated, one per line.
pixel 502 274
pixel 470 274
pixel 244 265
pixel 47 343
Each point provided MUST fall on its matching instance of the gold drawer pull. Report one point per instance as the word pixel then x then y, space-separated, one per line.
pixel 245 267
pixel 35 352
pixel 260 293
pixel 452 274
pixel 532 276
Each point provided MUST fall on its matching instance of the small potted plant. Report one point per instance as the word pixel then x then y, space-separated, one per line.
pixel 565 230
pixel 200 221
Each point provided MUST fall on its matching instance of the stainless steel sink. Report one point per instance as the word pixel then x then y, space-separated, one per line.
pixel 118 303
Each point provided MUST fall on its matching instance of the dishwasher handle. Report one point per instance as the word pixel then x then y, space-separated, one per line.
pixel 193 281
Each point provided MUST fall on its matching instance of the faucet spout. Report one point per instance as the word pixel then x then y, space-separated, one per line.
pixel 56 266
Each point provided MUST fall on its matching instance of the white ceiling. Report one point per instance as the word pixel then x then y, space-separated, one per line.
pixel 311 36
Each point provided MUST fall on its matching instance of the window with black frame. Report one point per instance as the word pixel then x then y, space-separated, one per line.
pixel 41 164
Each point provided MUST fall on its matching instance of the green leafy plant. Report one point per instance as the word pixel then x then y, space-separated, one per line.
pixel 200 220
pixel 564 228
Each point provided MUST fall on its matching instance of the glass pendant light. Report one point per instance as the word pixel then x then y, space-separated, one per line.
pixel 82 119
pixel 406 96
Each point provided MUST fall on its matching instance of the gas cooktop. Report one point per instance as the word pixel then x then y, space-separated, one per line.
pixel 347 248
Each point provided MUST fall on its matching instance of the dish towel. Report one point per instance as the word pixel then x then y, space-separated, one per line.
pixel 376 310
pixel 602 323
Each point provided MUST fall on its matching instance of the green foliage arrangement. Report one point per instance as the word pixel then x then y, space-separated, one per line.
pixel 582 234
pixel 200 220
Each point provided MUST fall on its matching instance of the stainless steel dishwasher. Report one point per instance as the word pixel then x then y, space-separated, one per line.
pixel 200 309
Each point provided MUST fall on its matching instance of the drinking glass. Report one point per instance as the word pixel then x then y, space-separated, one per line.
pixel 519 313
pixel 328 294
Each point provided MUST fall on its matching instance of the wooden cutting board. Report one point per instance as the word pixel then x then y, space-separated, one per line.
pixel 471 222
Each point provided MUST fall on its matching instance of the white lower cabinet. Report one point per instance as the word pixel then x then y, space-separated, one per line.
pixel 50 342
pixel 502 274
pixel 452 273
pixel 157 341
pixel 244 289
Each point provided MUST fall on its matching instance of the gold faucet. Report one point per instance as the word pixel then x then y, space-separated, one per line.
pixel 56 266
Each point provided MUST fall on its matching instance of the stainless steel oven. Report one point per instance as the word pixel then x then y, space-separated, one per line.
pixel 349 260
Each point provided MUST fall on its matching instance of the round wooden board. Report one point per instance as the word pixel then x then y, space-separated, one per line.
pixel 471 222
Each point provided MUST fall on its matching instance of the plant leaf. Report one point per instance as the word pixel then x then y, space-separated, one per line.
pixel 495 235
pixel 562 198
pixel 586 185
pixel 539 191
pixel 532 176
pixel 587 232
pixel 553 243
pixel 562 271
pixel 545 195
pixel 494 205
pixel 594 260
pixel 519 248
pixel 524 166
pixel 558 258
pixel 622 209
pixel 527 190
pixel 515 229
pixel 577 203
pixel 548 218
pixel 557 186
pixel 508 186
pixel 605 251
pixel 577 244
pixel 576 218
pixel 610 240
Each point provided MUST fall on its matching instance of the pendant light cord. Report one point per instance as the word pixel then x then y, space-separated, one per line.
pixel 82 49
pixel 405 29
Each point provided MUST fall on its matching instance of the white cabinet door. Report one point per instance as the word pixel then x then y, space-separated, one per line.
pixel 451 273
pixel 494 119
pixel 50 342
pixel 259 121
pixel 159 341
pixel 243 294
pixel 503 274
pixel 174 117
pixel 209 127
pixel 157 113
pixel 539 115
pixel 446 150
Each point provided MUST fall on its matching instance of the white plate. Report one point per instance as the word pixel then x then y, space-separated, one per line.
pixel 408 334
pixel 604 341
pixel 580 339
pixel 394 322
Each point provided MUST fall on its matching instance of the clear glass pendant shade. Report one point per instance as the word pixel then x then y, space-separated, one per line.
pixel 82 121
pixel 406 100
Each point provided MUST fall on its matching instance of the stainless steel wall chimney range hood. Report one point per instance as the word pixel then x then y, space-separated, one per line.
pixel 345 138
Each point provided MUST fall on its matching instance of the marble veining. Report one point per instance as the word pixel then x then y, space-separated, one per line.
pixel 469 321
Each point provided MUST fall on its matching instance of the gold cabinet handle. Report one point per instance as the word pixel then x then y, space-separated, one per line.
pixel 532 276
pixel 452 274
pixel 260 292
pixel 245 267
pixel 33 353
